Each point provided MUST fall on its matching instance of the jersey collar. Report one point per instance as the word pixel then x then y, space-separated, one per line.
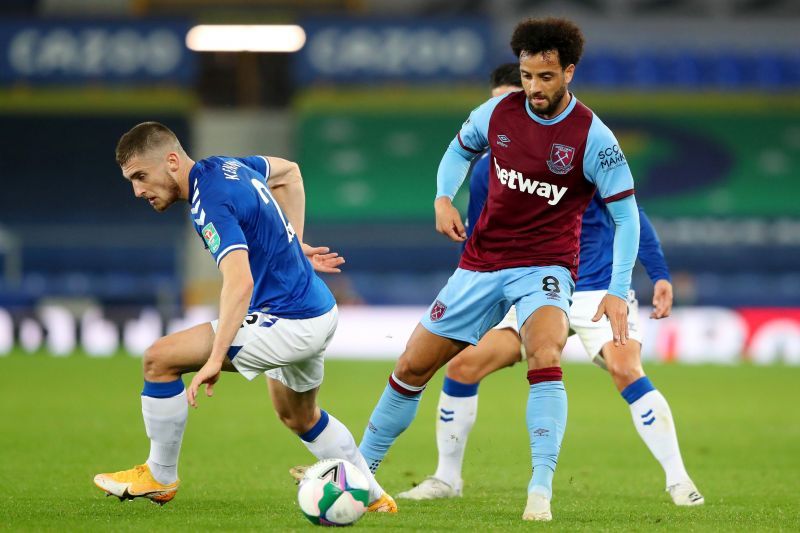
pixel 556 119
pixel 193 175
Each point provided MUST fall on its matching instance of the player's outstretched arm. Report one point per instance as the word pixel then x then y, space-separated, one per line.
pixel 286 185
pixel 470 142
pixel 652 257
pixel 322 259
pixel 626 244
pixel 234 301
pixel 662 299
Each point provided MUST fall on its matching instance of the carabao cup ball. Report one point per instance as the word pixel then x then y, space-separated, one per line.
pixel 333 492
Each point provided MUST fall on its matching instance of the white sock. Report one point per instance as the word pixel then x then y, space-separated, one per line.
pixel 165 420
pixel 653 420
pixel 455 417
pixel 334 441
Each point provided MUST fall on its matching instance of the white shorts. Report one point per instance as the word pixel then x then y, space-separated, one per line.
pixel 289 350
pixel 593 335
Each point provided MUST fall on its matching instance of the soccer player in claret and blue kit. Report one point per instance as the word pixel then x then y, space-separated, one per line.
pixel 276 315
pixel 458 402
pixel 524 249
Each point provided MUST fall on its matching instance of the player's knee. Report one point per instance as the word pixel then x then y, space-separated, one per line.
pixel 412 372
pixel 546 353
pixel 463 371
pixel 624 373
pixel 155 361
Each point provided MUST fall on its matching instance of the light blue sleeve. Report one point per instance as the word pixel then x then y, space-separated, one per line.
pixel 468 144
pixel 626 244
pixel 604 163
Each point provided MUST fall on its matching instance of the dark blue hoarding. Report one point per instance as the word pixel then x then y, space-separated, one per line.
pixel 382 50
pixel 76 52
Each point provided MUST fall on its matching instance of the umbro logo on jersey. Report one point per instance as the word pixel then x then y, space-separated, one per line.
pixel 503 141
pixel 515 180
pixel 560 161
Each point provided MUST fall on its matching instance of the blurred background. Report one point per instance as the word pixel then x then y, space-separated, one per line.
pixel 365 95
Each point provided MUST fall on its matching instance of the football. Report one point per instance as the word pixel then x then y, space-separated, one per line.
pixel 333 492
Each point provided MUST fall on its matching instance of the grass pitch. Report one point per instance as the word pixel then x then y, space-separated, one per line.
pixel 65 419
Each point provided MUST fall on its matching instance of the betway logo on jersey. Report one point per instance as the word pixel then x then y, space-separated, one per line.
pixel 515 180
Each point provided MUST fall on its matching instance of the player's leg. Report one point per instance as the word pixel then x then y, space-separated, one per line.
pixel 425 353
pixel 324 435
pixel 544 336
pixel 652 418
pixel 544 311
pixel 458 408
pixel 458 402
pixel 650 411
pixel 165 410
pixel 469 305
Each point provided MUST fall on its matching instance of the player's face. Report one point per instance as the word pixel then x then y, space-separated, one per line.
pixel 545 82
pixel 151 176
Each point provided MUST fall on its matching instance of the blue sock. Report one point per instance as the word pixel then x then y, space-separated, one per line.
pixel 318 428
pixel 637 389
pixel 547 419
pixel 457 389
pixel 393 414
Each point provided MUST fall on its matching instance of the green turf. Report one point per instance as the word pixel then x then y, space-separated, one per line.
pixel 65 419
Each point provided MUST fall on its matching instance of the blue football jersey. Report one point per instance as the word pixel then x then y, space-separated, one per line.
pixel 232 209
pixel 597 235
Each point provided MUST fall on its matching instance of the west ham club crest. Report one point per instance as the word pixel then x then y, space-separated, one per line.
pixel 437 311
pixel 560 161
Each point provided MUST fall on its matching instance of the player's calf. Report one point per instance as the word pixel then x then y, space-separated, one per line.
pixel 623 363
pixel 425 353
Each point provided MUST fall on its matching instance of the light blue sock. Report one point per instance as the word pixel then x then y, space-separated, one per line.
pixel 392 415
pixel 547 420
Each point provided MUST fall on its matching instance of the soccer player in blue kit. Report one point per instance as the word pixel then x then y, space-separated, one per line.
pixel 276 315
pixel 500 347
pixel 524 249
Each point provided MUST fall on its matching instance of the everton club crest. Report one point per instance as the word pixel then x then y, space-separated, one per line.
pixel 437 311
pixel 560 161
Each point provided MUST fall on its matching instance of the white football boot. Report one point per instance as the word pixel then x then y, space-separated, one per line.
pixel 431 489
pixel 685 494
pixel 538 508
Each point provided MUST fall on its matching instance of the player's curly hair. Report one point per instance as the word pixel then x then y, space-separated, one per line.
pixel 540 35
pixel 144 137
pixel 506 74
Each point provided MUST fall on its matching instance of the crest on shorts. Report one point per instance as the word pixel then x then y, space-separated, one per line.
pixel 561 156
pixel 437 311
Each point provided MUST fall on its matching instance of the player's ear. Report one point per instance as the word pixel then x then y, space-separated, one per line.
pixel 173 161
pixel 569 72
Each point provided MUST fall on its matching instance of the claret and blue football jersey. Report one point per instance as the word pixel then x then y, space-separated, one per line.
pixel 232 209
pixel 597 235
pixel 543 174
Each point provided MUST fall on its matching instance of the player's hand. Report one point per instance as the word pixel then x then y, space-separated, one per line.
pixel 448 220
pixel 208 374
pixel 322 259
pixel 616 309
pixel 662 299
